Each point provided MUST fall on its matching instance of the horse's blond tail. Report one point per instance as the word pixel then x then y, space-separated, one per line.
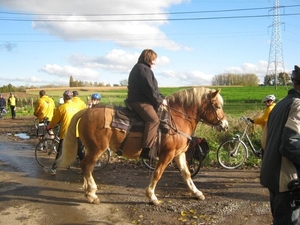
pixel 70 144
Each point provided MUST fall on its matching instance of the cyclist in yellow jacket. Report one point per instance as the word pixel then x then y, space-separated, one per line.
pixel 63 115
pixel 78 100
pixel 269 101
pixel 44 107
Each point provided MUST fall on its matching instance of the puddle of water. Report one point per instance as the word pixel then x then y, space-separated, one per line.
pixel 20 135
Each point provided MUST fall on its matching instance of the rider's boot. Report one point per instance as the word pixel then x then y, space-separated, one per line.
pixel 145 153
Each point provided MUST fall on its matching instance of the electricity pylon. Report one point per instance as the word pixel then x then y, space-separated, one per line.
pixel 276 64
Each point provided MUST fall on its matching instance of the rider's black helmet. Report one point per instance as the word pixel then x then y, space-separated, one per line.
pixel 296 75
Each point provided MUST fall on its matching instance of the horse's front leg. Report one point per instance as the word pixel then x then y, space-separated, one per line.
pixel 158 171
pixel 186 175
pixel 89 185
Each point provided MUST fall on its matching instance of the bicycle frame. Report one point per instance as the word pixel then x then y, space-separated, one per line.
pixel 245 135
pixel 239 140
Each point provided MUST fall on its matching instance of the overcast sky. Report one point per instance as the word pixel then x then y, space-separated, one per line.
pixel 46 42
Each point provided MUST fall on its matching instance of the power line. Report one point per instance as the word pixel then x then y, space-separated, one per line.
pixel 142 20
pixel 143 14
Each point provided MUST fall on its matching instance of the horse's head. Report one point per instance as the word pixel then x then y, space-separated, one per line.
pixel 211 110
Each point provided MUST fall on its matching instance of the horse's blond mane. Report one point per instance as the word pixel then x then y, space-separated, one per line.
pixel 192 96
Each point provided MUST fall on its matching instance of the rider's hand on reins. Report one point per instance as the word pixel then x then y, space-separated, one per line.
pixel 164 102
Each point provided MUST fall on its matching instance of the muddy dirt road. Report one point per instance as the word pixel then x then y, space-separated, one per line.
pixel 30 196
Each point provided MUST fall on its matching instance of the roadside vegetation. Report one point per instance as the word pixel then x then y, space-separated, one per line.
pixel 238 101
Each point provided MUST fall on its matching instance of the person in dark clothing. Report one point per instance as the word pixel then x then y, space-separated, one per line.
pixel 145 98
pixel 2 104
pixel 281 161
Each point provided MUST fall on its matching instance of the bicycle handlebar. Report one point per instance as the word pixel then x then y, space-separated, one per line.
pixel 245 119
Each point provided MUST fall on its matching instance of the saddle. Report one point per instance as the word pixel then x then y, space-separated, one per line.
pixel 127 120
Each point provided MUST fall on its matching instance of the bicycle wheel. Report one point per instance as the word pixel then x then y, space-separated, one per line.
pixel 195 162
pixel 103 160
pixel 45 152
pixel 232 154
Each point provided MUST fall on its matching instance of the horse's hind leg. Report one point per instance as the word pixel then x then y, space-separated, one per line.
pixel 89 185
pixel 90 189
pixel 186 175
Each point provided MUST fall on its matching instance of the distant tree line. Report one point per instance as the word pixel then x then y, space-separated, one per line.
pixel 79 83
pixel 11 88
pixel 282 79
pixel 229 79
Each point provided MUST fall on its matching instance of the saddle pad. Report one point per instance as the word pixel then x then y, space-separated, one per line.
pixel 125 120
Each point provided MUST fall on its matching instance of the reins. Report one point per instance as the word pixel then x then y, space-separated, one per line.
pixel 173 122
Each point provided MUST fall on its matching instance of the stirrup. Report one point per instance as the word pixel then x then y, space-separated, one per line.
pixel 119 152
pixel 145 153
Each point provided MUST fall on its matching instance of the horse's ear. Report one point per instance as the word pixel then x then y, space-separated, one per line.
pixel 215 93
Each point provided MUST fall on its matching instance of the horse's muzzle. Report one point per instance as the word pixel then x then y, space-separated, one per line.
pixel 222 126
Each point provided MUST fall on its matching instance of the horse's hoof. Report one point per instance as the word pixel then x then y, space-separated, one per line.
pixel 200 196
pixel 96 201
pixel 93 200
pixel 154 202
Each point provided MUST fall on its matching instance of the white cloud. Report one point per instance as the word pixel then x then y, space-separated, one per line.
pixel 260 69
pixel 85 74
pixel 192 78
pixel 127 23
pixel 162 61
pixel 115 61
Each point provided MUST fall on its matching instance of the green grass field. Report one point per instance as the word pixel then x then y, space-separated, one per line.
pixel 237 100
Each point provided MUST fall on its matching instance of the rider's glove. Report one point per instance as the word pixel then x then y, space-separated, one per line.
pixel 164 102
pixel 251 120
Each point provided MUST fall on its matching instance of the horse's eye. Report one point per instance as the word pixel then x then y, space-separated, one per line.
pixel 216 107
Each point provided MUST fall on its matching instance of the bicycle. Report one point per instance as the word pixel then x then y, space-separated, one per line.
pixel 46 149
pixel 234 152
pixel 196 153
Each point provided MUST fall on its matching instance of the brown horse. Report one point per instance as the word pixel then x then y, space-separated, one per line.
pixel 186 109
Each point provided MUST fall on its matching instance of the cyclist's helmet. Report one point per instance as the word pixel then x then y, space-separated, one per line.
pixel 96 96
pixel 269 97
pixel 296 75
pixel 68 95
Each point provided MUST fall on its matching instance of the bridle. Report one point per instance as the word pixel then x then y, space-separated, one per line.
pixel 219 120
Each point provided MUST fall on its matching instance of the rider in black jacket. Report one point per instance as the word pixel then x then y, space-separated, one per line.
pixel 144 97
